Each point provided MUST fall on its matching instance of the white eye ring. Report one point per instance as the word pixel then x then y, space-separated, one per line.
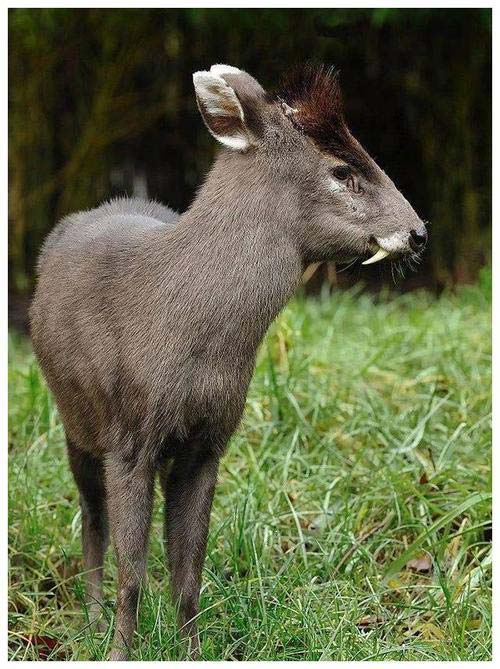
pixel 337 187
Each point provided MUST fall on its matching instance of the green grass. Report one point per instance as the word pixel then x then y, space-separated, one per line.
pixel 365 446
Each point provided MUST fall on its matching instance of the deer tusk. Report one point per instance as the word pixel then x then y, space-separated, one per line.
pixel 380 255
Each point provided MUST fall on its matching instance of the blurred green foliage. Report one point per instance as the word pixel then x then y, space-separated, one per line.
pixel 101 102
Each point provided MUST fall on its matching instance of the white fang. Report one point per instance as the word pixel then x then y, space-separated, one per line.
pixel 380 255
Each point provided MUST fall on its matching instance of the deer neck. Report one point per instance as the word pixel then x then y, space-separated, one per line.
pixel 239 229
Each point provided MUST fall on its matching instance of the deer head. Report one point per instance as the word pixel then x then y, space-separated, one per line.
pixel 340 203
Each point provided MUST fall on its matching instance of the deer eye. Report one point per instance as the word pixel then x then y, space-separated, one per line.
pixel 342 172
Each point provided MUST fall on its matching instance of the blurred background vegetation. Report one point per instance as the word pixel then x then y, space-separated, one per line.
pixel 101 103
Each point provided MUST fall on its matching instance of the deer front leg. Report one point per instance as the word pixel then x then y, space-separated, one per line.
pixel 188 487
pixel 130 498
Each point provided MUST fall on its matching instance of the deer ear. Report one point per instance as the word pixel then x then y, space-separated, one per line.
pixel 220 108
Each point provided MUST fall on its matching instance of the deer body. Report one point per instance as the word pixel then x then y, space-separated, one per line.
pixel 167 315
pixel 146 325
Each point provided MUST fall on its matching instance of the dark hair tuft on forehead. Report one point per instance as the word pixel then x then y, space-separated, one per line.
pixel 314 92
pixel 316 88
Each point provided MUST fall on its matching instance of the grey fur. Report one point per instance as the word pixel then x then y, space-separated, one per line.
pixel 146 325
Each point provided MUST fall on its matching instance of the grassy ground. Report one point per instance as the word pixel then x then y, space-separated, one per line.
pixel 352 517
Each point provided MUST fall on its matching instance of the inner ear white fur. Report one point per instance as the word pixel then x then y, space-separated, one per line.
pixel 217 99
pixel 220 70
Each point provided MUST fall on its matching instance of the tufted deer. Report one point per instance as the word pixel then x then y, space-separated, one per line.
pixel 146 324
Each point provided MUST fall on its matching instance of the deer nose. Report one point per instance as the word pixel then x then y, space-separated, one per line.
pixel 418 239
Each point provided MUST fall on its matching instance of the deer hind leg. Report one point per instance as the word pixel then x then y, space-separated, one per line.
pixel 89 476
pixel 129 486
pixel 188 486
